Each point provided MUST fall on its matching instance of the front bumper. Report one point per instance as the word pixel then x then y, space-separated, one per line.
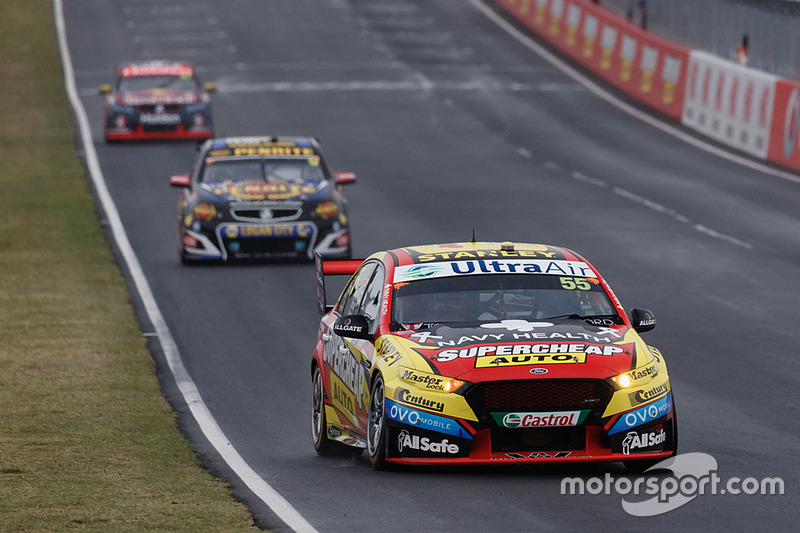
pixel 235 241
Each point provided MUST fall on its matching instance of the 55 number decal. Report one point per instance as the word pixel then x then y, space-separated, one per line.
pixel 575 283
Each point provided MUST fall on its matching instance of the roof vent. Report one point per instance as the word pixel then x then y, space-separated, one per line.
pixel 507 246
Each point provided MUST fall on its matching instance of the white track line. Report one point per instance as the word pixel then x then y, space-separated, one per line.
pixel 613 100
pixel 187 387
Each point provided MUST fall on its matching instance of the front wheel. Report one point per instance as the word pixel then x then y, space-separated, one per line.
pixel 376 424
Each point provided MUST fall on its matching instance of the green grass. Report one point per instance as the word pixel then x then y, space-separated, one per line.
pixel 87 442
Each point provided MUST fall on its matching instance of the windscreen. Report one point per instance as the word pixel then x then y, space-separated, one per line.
pixel 141 83
pixel 499 297
pixel 288 170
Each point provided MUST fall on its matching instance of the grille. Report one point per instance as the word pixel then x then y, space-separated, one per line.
pixel 159 127
pixel 173 108
pixel 266 247
pixel 261 214
pixel 538 395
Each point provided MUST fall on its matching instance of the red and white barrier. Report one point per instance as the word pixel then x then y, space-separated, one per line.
pixel 744 108
pixel 784 146
pixel 729 103
pixel 640 63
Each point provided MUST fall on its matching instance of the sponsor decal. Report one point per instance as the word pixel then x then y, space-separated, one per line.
pixel 540 420
pixel 418 400
pixel 421 419
pixel 273 150
pixel 486 254
pixel 259 231
pixel 643 415
pixel 327 210
pixel 517 325
pixel 641 373
pixel 387 351
pixel 155 69
pixel 346 367
pixel 642 396
pixel 257 190
pixel 527 353
pixel 424 337
pixel 406 440
pixel 428 381
pixel 205 212
pixel 537 455
pixel 494 362
pixel 635 441
pixel 162 119
pixel 496 266
pixel 347 327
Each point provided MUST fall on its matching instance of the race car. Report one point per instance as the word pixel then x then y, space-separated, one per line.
pixel 262 198
pixel 486 353
pixel 156 100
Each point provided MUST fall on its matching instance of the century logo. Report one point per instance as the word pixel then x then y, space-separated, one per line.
pixel 641 396
pixel 406 396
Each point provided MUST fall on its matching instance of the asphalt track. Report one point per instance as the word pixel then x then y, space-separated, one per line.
pixel 452 125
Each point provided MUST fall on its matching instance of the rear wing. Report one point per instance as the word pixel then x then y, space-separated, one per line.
pixel 331 267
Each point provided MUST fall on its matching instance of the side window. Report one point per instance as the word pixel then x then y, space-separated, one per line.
pixel 350 302
pixel 372 299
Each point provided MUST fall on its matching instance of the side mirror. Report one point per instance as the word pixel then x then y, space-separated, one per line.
pixel 643 320
pixel 352 326
pixel 180 180
pixel 210 87
pixel 344 178
pixel 104 89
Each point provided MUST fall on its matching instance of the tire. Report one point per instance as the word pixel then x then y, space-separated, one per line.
pixel 319 426
pixel 181 250
pixel 376 424
pixel 637 467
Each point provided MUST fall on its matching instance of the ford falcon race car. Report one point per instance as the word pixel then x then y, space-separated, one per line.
pixel 486 353
pixel 262 198
pixel 156 100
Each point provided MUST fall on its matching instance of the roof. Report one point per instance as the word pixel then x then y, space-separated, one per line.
pixel 263 146
pixel 480 250
pixel 155 68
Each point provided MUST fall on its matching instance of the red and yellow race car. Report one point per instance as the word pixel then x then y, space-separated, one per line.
pixel 156 100
pixel 486 353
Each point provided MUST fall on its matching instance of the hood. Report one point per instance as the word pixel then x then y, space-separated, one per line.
pixel 231 191
pixel 159 96
pixel 519 349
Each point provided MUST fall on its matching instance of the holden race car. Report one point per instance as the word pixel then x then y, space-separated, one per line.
pixel 486 353
pixel 156 100
pixel 262 198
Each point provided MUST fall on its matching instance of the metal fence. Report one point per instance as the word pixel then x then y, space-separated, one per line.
pixel 717 26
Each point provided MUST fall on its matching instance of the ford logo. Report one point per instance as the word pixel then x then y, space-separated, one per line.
pixel 538 371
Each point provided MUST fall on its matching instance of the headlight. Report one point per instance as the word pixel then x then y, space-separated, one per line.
pixel 637 376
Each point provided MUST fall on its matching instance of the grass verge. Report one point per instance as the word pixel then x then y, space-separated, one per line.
pixel 87 441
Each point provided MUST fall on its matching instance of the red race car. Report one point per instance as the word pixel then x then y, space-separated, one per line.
pixel 156 100
pixel 486 353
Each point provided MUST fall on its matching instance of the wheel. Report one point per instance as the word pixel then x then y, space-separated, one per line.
pixel 637 467
pixel 319 427
pixel 181 249
pixel 376 424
